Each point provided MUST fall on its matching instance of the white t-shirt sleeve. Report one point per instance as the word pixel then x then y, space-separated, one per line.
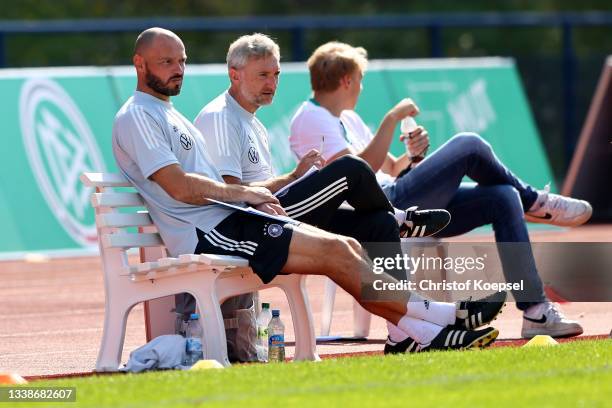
pixel 143 139
pixel 224 141
pixel 361 133
pixel 313 129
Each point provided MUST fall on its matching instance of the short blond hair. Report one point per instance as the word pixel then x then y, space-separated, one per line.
pixel 329 63
pixel 255 45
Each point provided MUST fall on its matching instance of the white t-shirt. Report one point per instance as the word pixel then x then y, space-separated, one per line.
pixel 149 134
pixel 314 127
pixel 238 141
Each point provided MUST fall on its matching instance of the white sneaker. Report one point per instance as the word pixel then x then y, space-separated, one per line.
pixel 545 318
pixel 558 210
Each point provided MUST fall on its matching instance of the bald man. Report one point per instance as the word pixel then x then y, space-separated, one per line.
pixel 166 158
pixel 161 76
pixel 151 62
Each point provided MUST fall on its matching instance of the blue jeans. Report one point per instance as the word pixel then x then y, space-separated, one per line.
pixel 498 197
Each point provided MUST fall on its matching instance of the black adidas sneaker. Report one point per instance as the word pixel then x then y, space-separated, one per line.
pixel 473 314
pixel 459 339
pixel 423 223
pixel 448 339
pixel 408 345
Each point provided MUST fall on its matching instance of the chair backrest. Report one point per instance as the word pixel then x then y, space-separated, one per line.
pixel 122 221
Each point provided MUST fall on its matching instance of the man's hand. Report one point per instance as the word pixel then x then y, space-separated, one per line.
pixel 405 107
pixel 417 142
pixel 312 158
pixel 270 208
pixel 259 195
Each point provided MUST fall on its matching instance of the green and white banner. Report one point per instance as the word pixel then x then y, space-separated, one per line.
pixel 58 121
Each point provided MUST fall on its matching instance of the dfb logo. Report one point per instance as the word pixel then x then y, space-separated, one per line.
pixel 60 146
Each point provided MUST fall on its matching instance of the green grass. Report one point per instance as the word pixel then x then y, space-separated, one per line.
pixel 571 374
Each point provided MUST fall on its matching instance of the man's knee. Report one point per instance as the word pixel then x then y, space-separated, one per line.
pixel 469 143
pixel 351 165
pixel 343 250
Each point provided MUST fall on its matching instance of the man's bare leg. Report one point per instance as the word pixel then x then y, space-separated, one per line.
pixel 342 259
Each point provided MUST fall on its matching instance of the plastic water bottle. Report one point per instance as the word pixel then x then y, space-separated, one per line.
pixel 263 320
pixel 408 125
pixel 276 338
pixel 193 347
pixel 180 325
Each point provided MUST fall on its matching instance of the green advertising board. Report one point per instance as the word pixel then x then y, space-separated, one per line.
pixel 58 124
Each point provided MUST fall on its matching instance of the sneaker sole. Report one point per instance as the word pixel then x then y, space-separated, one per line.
pixel 577 221
pixel 569 332
pixel 483 341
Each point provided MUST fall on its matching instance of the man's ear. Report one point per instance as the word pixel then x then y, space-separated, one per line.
pixel 234 75
pixel 138 62
pixel 345 81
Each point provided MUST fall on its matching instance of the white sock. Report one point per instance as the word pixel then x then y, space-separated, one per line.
pixel 420 330
pixel 400 216
pixel 395 333
pixel 440 313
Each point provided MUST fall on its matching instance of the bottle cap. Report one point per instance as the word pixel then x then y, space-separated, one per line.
pixel 265 305
pixel 408 125
pixel 275 313
pixel 194 316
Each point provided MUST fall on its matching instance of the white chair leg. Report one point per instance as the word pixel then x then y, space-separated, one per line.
pixel 215 346
pixel 294 287
pixel 361 320
pixel 113 335
pixel 327 310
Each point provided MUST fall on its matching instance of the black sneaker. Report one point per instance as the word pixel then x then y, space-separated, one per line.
pixel 458 339
pixel 449 338
pixel 473 314
pixel 408 345
pixel 423 223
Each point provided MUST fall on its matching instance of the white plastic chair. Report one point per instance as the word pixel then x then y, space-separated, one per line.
pixel 209 278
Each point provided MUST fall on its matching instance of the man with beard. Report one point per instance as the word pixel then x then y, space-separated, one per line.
pixel 166 159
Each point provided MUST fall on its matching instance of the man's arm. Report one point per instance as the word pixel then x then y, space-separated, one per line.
pixel 417 144
pixel 273 184
pixel 376 152
pixel 226 155
pixel 394 165
pixel 194 188
pixel 312 158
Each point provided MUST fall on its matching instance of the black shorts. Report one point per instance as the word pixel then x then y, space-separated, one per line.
pixel 263 241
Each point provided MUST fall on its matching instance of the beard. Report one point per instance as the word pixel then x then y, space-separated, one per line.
pixel 154 82
pixel 263 100
pixel 258 99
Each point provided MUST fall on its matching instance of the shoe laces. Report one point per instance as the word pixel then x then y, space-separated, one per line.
pixel 553 311
pixel 555 202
